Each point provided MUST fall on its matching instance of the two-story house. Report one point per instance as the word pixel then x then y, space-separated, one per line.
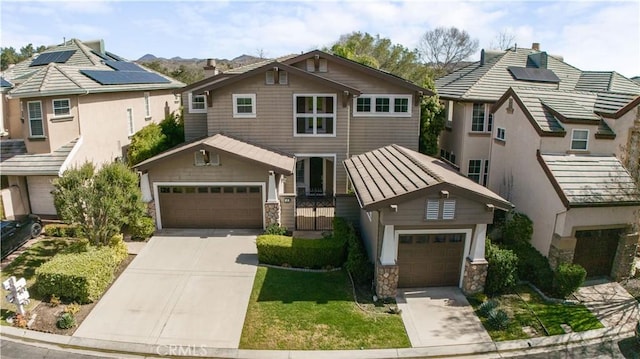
pixel 266 138
pixel 73 103
pixel 553 154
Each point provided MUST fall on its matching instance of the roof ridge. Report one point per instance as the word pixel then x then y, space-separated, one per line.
pixel 417 162
pixel 498 59
pixel 64 73
pixel 82 48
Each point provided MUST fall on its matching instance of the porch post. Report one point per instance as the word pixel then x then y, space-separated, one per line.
pixel 478 243
pixel 145 188
pixel 475 265
pixel 272 193
pixel 389 246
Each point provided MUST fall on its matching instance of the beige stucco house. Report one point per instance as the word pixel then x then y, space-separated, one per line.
pixel 73 103
pixel 557 156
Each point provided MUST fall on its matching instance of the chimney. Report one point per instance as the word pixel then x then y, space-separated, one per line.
pixel 535 46
pixel 482 57
pixel 210 69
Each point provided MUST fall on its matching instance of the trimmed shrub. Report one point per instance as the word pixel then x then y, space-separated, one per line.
pixel 517 229
pixel 276 229
pixel 77 246
pixel 357 263
pixel 142 228
pixel 498 319
pixel 66 320
pixel 567 278
pixel 501 273
pixel 63 230
pixel 79 277
pixel 300 252
pixel 533 266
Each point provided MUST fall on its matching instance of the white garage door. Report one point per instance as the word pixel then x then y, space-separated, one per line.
pixel 40 197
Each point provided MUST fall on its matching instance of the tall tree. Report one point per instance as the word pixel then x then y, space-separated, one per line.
pixel 10 56
pixel 443 48
pixel 504 40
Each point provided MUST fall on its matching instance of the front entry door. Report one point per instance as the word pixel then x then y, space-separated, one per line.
pixel 315 176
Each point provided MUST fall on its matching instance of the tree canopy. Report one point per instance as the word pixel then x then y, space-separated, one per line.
pixel 155 138
pixel 9 55
pixel 443 48
pixel 182 73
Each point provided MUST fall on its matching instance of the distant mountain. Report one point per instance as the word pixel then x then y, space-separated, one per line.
pixel 147 58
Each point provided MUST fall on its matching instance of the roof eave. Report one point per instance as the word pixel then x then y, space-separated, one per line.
pixel 604 204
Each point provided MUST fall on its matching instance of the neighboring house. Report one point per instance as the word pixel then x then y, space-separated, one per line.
pixel 314 109
pixel 468 94
pixel 554 156
pixel 423 224
pixel 73 103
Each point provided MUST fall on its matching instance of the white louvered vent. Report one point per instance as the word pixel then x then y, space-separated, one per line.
pixel 449 209
pixel 433 207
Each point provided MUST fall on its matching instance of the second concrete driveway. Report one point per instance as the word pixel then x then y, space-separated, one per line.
pixel 186 287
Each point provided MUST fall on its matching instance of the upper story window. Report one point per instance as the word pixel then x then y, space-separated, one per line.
pixel 481 118
pixel 130 125
pixel 147 106
pixel 501 134
pixel 197 103
pixel 383 105
pixel 314 115
pixel 36 126
pixel 579 140
pixel 448 106
pixel 276 76
pixel 244 105
pixel 61 107
pixel 478 171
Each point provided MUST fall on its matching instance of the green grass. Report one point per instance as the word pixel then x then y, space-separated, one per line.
pixel 521 308
pixel 25 266
pixel 314 311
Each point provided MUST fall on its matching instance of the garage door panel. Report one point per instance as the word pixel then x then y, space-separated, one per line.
pixel 596 249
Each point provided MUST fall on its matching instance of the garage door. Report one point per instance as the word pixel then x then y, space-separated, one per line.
pixel 211 206
pixel 40 197
pixel 596 249
pixel 427 260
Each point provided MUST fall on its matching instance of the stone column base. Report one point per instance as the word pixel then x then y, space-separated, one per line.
pixel 561 251
pixel 625 255
pixel 272 213
pixel 386 280
pixel 475 275
pixel 151 210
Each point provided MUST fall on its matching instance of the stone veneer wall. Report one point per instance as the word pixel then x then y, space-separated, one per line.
pixel 625 255
pixel 475 275
pixel 559 256
pixel 272 213
pixel 151 210
pixel 386 280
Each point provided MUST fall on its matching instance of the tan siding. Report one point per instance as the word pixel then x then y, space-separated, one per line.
pixel 347 207
pixel 288 211
pixel 195 124
pixel 468 212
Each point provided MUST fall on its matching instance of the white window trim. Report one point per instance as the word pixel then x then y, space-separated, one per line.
pixel 585 140
pixel 502 138
pixel 41 120
pixel 315 115
pixel 449 121
pixel 147 106
pixel 432 205
pixel 482 174
pixel 449 209
pixel 131 126
pixel 485 124
pixel 235 97
pixel 53 107
pixel 391 113
pixel 197 110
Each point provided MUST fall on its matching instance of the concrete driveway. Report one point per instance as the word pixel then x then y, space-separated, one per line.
pixel 439 316
pixel 185 287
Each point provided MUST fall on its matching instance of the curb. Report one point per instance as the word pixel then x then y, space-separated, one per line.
pixel 488 349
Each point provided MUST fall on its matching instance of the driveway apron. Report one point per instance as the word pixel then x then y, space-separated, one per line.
pixel 439 316
pixel 186 287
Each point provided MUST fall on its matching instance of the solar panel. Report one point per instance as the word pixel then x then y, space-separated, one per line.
pixel 59 57
pixel 124 77
pixel 5 83
pixel 123 66
pixel 533 74
pixel 114 56
pixel 104 57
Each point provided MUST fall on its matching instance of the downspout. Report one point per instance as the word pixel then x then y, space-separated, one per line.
pixel 348 140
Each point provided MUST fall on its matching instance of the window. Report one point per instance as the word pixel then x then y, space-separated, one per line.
pixel 197 103
pixel 61 107
pixel 382 105
pixel 481 119
pixel 449 109
pixel 433 209
pixel 36 127
pixel 130 125
pixel 244 105
pixel 580 140
pixel 500 134
pixel 204 158
pixel 314 115
pixel 147 106
pixel 300 172
pixel 478 171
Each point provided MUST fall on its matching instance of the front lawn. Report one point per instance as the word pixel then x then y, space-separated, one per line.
pixel 521 306
pixel 314 311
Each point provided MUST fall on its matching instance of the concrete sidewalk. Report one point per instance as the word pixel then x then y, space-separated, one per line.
pixel 183 288
pixel 610 303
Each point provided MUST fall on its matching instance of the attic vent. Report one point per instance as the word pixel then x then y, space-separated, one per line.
pixel 316 64
pixel 433 207
pixel 533 74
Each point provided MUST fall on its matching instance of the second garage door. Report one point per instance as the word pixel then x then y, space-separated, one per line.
pixel 211 206
pixel 596 249
pixel 428 260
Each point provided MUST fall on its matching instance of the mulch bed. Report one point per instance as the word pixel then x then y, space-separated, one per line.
pixel 46 315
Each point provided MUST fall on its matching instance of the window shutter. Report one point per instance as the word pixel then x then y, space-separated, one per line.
pixel 311 65
pixel 270 80
pixel 322 65
pixel 282 77
pixel 433 207
pixel 449 209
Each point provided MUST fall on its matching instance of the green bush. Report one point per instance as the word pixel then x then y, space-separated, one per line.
pixel 77 246
pixel 66 320
pixel 299 252
pixel 498 319
pixel 63 230
pixel 567 278
pixel 276 229
pixel 357 263
pixel 142 228
pixel 486 307
pixel 517 229
pixel 80 277
pixel 501 273
pixel 533 266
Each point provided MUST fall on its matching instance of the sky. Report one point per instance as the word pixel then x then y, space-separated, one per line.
pixel 591 35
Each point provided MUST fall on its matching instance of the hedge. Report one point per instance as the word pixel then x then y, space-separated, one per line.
pixel 357 263
pixel 63 230
pixel 81 277
pixel 299 252
pixel 501 273
pixel 567 278
pixel 533 266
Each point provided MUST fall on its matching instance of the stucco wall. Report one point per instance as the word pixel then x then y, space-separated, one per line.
pixel 597 218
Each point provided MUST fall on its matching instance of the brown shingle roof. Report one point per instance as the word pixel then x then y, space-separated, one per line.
pixel 395 173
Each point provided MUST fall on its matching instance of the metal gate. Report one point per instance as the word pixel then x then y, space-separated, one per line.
pixel 315 213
